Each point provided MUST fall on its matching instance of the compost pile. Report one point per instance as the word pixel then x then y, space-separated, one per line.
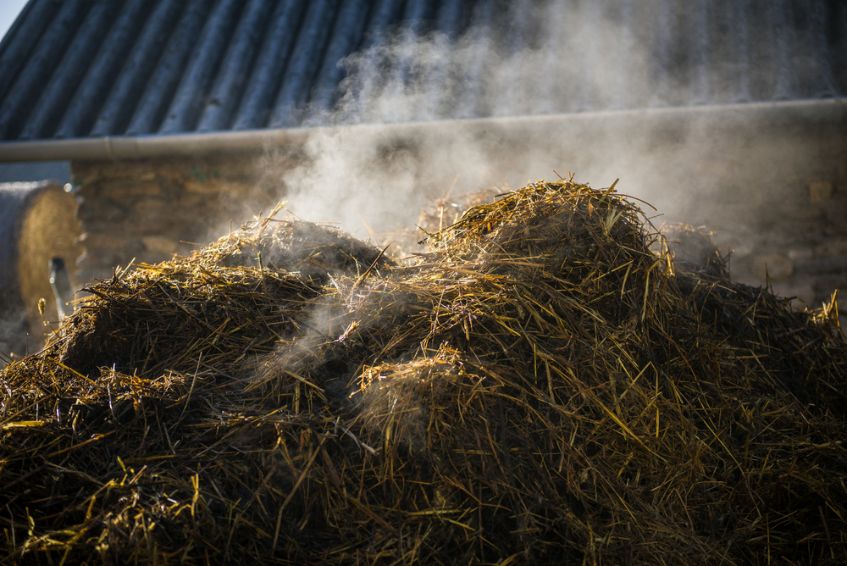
pixel 545 384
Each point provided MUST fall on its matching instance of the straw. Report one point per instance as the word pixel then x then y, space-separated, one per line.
pixel 546 384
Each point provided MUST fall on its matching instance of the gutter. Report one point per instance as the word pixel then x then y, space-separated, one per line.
pixel 116 148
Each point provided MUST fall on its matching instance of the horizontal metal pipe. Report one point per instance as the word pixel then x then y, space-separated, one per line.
pixel 148 146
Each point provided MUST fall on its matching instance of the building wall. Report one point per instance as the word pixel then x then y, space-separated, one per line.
pixel 796 240
pixel 148 210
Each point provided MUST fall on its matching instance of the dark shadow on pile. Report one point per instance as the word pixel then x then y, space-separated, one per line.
pixel 544 385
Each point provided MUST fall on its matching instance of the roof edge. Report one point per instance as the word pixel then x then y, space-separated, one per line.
pixel 114 148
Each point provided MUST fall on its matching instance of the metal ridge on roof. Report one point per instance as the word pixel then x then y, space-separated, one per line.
pixel 96 68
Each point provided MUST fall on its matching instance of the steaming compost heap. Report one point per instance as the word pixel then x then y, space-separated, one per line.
pixel 544 384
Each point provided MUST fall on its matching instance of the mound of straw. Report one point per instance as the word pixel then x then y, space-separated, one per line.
pixel 546 384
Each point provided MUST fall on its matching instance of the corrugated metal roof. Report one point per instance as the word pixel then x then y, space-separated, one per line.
pixel 87 68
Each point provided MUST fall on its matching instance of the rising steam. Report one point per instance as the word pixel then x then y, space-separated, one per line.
pixel 593 89
pixel 375 180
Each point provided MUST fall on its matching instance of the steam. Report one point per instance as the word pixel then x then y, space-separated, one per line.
pixel 373 180
pixel 435 77
pixel 404 137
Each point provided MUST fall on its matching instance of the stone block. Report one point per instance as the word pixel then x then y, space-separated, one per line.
pixel 95 241
pixel 795 254
pixel 216 186
pixel 125 190
pixel 100 210
pixel 821 191
pixel 832 247
pixel 151 209
pixel 159 245
pixel 192 200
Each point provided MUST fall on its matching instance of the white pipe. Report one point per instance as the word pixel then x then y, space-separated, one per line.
pixel 146 146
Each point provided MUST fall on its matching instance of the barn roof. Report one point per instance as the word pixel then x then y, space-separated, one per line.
pixel 99 68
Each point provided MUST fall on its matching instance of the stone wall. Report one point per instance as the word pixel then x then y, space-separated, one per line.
pixel 148 210
pixel 797 242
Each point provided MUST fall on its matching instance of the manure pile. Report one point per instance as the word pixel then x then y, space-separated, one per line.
pixel 546 384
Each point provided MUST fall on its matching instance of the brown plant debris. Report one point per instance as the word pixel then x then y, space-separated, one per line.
pixel 544 385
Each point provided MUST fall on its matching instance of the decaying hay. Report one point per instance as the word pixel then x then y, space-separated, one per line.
pixel 545 384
